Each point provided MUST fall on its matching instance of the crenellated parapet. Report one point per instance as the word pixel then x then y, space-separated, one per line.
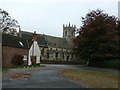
pixel 69 31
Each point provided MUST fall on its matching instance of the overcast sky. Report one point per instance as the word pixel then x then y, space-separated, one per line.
pixel 48 16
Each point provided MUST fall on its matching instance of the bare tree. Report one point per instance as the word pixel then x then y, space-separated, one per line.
pixel 7 24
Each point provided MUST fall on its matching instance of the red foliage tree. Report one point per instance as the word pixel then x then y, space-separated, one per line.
pixel 97 39
pixel 17 60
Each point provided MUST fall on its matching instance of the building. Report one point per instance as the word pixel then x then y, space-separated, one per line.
pixel 34 51
pixel 11 46
pixel 55 48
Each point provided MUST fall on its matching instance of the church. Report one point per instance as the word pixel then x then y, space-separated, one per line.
pixel 55 48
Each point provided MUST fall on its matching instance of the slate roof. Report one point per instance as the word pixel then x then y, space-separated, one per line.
pixel 14 41
pixel 56 42
pixel 28 35
pixel 46 40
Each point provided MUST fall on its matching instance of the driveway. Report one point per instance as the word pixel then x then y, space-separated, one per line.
pixel 42 77
pixel 83 67
pixel 45 77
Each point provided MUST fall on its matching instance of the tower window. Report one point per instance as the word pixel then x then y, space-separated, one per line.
pixel 65 33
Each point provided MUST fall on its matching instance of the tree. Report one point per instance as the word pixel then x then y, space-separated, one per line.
pixel 118 29
pixel 17 60
pixel 7 24
pixel 97 39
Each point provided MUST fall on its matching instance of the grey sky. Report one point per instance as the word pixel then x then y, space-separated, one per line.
pixel 48 16
pixel 119 10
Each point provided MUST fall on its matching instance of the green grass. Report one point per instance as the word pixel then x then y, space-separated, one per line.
pixel 93 79
pixel 0 69
pixel 21 67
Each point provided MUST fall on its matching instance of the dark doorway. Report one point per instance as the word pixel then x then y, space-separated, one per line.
pixel 67 58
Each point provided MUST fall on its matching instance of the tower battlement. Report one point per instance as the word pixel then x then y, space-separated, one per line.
pixel 69 31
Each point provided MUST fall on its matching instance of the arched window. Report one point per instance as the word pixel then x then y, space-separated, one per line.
pixel 65 33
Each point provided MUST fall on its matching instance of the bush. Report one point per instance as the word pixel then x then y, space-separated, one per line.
pixel 115 64
pixel 17 60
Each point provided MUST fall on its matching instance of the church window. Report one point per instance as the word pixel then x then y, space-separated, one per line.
pixel 63 56
pixel 47 54
pixel 56 55
pixel 72 56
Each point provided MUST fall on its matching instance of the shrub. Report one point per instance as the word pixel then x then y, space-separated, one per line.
pixel 106 64
pixel 17 60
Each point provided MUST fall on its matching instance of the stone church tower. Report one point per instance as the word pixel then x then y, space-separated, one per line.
pixel 69 31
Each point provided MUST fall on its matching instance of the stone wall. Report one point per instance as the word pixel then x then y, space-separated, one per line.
pixel 52 53
pixel 9 52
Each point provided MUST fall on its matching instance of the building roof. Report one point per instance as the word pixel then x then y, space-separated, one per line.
pixel 46 40
pixel 28 35
pixel 14 41
pixel 56 42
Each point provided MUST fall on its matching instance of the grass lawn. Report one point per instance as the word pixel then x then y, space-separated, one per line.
pixel 93 79
pixel 22 67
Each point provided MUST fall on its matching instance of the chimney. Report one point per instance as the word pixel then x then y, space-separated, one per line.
pixel 34 36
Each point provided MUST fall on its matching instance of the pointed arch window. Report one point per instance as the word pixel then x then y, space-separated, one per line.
pixel 65 33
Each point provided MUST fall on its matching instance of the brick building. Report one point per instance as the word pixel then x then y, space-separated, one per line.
pixel 11 46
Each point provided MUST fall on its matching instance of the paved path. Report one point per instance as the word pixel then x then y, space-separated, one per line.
pixel 83 67
pixel 46 77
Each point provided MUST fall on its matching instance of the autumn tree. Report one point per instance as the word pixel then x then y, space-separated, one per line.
pixel 7 24
pixel 97 39
pixel 118 36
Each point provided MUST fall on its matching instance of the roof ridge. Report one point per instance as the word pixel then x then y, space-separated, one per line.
pixel 42 34
pixel 52 36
